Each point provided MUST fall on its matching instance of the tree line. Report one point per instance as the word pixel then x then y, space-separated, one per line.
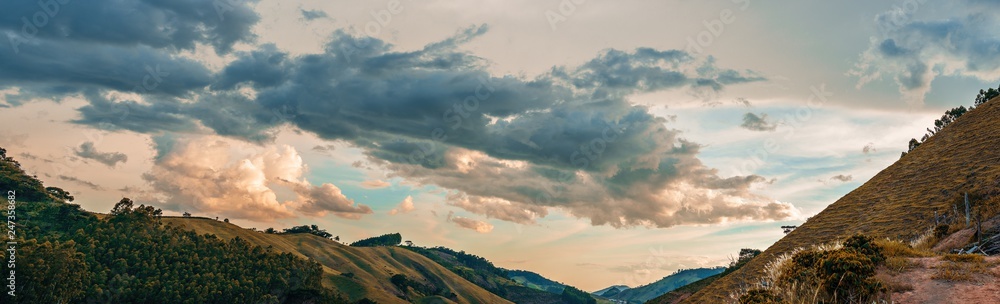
pixel 68 255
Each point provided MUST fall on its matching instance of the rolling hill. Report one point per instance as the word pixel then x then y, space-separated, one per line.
pixel 899 202
pixel 355 272
pixel 536 281
pixel 668 283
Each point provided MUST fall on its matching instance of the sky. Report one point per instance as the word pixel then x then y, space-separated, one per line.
pixel 593 142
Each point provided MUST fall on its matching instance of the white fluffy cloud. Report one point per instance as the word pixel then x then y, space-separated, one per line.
pixel 207 175
pixel 404 207
pixel 467 223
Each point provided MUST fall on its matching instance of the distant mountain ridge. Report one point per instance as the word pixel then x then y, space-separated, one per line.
pixel 641 294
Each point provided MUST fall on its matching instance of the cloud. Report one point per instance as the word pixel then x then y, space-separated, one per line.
pixel 916 51
pixel 313 14
pixel 84 183
pixel 200 174
pixel 842 178
pixel 869 148
pixel 327 198
pixel 151 23
pixel 109 159
pixel 753 122
pixel 326 148
pixel 478 226
pixel 375 184
pixel 743 102
pixel 404 207
pixel 508 147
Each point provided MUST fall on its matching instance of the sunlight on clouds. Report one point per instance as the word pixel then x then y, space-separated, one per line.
pixel 208 174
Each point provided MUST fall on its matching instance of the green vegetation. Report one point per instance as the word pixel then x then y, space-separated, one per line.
pixel 844 275
pixel 536 281
pixel 67 255
pixel 950 116
pixel 419 290
pixel 572 295
pixel 391 239
pixel 311 229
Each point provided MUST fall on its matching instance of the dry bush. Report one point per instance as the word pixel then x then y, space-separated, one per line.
pixel 898 264
pixel 963 258
pixel 961 267
pixel 893 248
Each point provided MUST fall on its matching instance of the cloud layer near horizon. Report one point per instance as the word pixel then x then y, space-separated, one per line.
pixel 202 175
pixel 506 147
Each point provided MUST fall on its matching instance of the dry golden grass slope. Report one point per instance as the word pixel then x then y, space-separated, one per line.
pixel 372 267
pixel 900 201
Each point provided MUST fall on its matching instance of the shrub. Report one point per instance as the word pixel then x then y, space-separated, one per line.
pixel 848 276
pixel 866 246
pixel 941 231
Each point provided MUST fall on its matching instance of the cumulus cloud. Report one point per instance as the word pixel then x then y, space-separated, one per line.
pixel 201 174
pixel 152 23
pixel 754 122
pixel 110 159
pixel 404 207
pixel 467 223
pixel 375 184
pixel 915 51
pixel 508 147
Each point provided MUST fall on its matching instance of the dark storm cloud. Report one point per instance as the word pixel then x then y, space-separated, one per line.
pixel 154 23
pixel 508 147
pixel 83 65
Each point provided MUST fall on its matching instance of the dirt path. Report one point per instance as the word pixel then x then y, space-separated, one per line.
pixel 981 288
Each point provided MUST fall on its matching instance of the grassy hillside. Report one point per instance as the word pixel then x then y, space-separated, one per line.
pixel 536 281
pixel 676 280
pixel 354 272
pixel 901 200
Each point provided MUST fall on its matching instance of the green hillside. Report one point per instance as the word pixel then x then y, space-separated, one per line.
pixel 536 281
pixel 63 254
